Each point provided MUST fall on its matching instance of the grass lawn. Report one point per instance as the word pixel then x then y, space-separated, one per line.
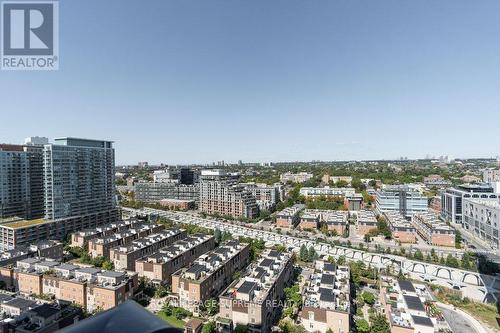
pixel 171 320
pixel 483 312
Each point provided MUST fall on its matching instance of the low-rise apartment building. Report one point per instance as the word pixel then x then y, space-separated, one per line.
pixel 124 257
pixel 210 274
pixel 327 300
pixel 159 267
pixel 300 177
pixel 327 191
pixel 266 196
pixel 101 246
pixel 401 228
pixel 482 219
pixel 178 204
pixel 432 230
pixel 20 232
pixel 403 307
pixel 88 287
pixel 366 221
pixel 81 238
pixel 289 217
pixel 255 300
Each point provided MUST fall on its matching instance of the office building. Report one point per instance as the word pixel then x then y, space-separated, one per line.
pixel 481 218
pixel 210 274
pixel 182 175
pixel 289 217
pixel 300 177
pixel 327 191
pixel 366 221
pixel 159 267
pixel 402 303
pixel 220 193
pixel 124 257
pixel 254 300
pixel 89 287
pixel 451 199
pixel 400 198
pixel 327 299
pixel 156 192
pixel 432 230
pixel 401 228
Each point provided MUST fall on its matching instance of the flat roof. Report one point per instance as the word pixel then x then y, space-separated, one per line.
pixel 21 223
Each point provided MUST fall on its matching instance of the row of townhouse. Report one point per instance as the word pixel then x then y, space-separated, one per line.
pixel 403 305
pixel 124 257
pixel 432 230
pixel 334 220
pixel 90 288
pixel 101 246
pixel 327 299
pixel 401 228
pixel 159 267
pixel 209 275
pixel 82 237
pixel 289 217
pixel 22 315
pixel 366 221
pixel 254 300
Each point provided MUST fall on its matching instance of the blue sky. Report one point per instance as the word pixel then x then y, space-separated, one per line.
pixel 198 81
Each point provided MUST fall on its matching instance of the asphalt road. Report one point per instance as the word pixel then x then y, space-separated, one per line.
pixel 457 322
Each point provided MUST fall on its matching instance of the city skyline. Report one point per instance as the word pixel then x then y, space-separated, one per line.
pixel 267 81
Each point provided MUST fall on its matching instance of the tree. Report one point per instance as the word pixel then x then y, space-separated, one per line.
pixel 241 329
pixel 418 255
pixel 108 265
pixel 312 255
pixel 217 235
pixel 303 254
pixel 209 327
pixel 466 262
pixel 160 292
pixel 362 326
pixel 458 239
pixel 451 261
pixel 368 298
pixel 380 325
pixel 212 306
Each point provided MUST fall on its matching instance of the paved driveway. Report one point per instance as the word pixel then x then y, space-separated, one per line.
pixel 457 322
